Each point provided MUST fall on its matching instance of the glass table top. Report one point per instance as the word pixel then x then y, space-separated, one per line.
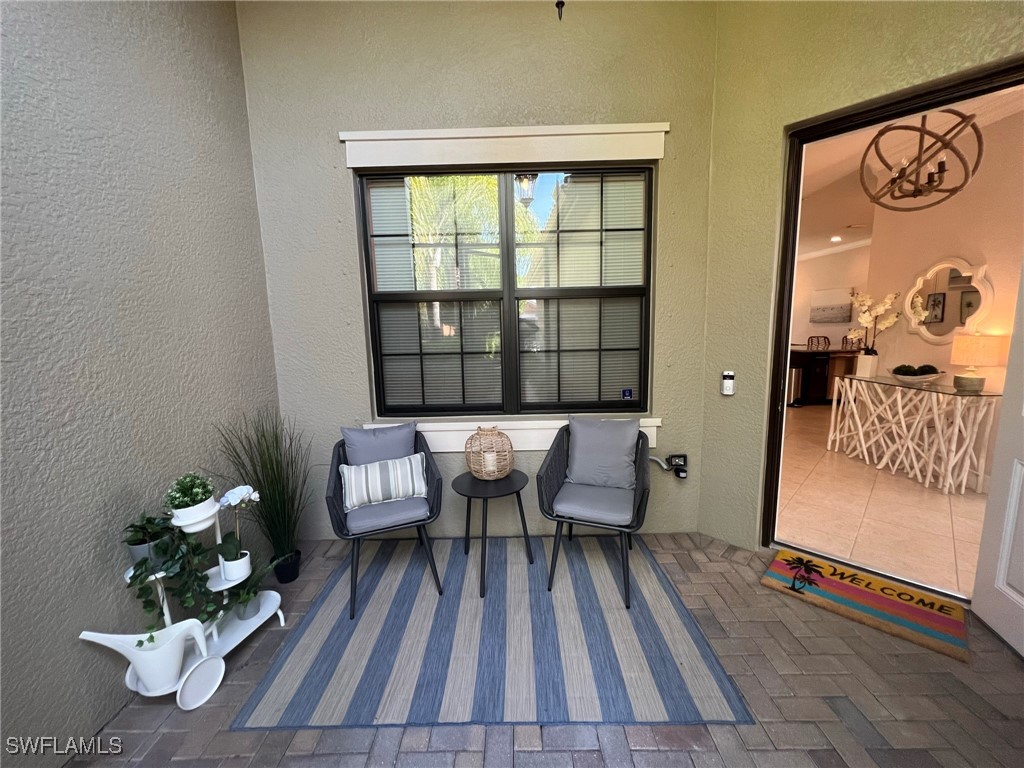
pixel 943 389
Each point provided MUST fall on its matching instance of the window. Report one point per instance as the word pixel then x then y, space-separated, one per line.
pixel 489 294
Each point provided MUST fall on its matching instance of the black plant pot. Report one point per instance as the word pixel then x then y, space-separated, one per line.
pixel 288 569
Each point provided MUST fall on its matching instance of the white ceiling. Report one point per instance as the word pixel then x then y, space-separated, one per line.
pixel 834 202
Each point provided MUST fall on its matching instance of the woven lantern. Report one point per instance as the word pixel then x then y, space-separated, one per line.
pixel 489 454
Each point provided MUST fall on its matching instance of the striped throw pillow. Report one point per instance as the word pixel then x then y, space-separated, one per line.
pixel 383 481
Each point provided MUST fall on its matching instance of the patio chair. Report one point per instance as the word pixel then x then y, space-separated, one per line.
pixel 599 478
pixel 385 516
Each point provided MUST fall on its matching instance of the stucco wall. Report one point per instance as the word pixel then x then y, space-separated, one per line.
pixel 134 317
pixel 312 70
pixel 779 63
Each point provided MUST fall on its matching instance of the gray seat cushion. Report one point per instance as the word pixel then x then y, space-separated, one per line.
pixel 602 452
pixel 374 517
pixel 594 503
pixel 367 446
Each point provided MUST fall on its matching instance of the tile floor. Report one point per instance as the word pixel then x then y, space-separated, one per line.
pixel 826 692
pixel 840 506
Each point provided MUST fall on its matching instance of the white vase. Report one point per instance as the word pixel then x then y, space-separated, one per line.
pixel 867 366
pixel 236 570
pixel 196 518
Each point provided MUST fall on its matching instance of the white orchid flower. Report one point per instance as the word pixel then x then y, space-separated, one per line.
pixel 254 496
pixel 236 495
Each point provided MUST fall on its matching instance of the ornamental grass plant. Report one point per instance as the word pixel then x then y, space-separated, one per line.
pixel 269 452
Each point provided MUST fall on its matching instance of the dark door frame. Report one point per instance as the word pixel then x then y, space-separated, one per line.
pixel 968 84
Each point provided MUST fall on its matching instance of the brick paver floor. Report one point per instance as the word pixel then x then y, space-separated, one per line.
pixel 826 692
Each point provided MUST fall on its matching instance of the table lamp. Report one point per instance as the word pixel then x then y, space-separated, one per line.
pixel 974 351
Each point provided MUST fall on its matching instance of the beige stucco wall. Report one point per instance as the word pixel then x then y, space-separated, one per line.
pixel 312 70
pixel 134 317
pixel 779 63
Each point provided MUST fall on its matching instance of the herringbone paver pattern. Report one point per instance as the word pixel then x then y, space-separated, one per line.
pixel 826 693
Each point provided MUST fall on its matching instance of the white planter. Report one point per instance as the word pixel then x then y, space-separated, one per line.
pixel 867 366
pixel 196 518
pixel 236 570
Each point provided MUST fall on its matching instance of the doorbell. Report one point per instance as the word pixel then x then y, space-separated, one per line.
pixel 728 382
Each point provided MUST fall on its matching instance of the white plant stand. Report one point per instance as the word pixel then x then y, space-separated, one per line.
pixel 203 669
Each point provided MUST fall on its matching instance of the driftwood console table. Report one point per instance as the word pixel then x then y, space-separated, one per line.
pixel 932 433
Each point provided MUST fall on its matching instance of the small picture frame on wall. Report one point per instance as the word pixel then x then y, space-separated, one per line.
pixel 969 303
pixel 936 306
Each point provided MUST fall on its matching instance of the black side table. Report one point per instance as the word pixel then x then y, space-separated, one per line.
pixel 473 488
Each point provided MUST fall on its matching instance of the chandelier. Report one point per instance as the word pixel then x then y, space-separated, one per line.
pixel 939 167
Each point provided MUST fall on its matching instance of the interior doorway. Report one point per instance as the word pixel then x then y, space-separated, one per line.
pixel 882 461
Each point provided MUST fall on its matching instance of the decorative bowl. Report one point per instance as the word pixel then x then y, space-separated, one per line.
pixel 923 379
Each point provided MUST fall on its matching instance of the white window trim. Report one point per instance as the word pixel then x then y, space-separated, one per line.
pixel 487 146
pixel 533 435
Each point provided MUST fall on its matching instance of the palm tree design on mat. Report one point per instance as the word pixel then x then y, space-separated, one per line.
pixel 804 571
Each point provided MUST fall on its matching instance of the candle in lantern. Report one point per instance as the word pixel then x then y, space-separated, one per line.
pixel 490 461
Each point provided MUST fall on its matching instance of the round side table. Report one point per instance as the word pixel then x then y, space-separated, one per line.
pixel 473 488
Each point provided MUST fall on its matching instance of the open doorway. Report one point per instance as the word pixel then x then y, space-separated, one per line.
pixel 879 460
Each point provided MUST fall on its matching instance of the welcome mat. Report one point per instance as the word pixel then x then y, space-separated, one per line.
pixel 519 655
pixel 912 613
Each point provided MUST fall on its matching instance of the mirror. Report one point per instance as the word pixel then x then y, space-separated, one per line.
pixel 954 295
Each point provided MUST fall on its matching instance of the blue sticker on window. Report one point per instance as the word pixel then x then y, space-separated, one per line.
pixel 627 394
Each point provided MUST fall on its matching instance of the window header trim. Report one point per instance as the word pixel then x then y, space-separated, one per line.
pixel 563 144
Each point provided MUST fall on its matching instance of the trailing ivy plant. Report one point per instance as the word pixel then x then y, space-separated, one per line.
pixel 184 579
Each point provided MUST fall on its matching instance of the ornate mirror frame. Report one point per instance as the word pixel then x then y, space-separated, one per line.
pixel 978 281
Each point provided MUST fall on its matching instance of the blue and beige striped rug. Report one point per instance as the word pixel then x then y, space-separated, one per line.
pixel 519 655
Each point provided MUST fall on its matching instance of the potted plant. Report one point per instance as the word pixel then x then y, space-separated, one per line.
pixel 190 499
pixel 269 452
pixel 144 533
pixel 234 561
pixel 873 320
pixel 243 597
pixel 183 567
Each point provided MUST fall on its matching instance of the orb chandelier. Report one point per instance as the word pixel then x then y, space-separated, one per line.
pixel 942 161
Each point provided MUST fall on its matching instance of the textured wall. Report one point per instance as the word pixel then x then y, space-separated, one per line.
pixel 779 63
pixel 134 317
pixel 312 70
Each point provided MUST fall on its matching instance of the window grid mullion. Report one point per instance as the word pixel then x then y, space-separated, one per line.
pixel 510 392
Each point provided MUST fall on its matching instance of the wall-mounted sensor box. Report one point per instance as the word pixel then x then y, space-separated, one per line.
pixel 728 382
pixel 677 461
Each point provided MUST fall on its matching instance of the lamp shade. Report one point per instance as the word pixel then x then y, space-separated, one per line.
pixel 982 351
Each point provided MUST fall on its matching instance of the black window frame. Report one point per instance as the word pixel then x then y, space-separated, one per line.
pixel 509 295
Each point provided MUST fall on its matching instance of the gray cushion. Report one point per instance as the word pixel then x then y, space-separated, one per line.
pixel 365 446
pixel 602 452
pixel 374 517
pixel 596 504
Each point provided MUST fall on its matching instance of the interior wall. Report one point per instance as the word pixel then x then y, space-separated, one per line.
pixel 312 70
pixel 778 63
pixel 981 225
pixel 134 318
pixel 848 270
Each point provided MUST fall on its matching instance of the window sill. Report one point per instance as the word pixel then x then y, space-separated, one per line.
pixel 532 435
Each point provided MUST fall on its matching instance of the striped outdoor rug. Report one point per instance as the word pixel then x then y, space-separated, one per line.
pixel 913 613
pixel 519 655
